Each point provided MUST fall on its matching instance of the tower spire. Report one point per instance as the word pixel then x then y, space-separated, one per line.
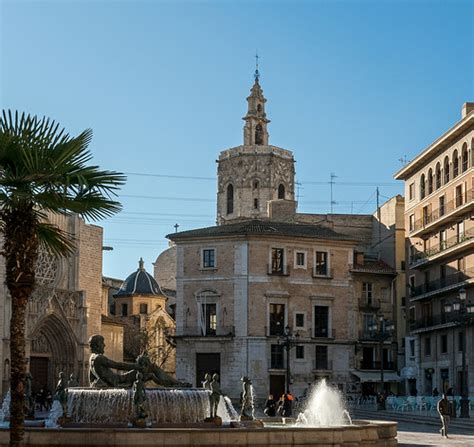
pixel 257 73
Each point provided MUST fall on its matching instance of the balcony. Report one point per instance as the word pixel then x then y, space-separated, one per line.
pixel 432 322
pixel 284 270
pixel 450 211
pixel 372 365
pixel 322 365
pixel 451 245
pixel 442 285
pixel 198 331
pixel 369 303
pixel 319 272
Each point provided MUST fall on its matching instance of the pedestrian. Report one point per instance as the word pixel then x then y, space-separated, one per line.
pixel 443 410
pixel 287 405
pixel 435 392
pixel 270 406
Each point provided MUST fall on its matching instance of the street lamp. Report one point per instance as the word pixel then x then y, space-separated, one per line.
pixel 288 341
pixel 463 314
pixel 381 331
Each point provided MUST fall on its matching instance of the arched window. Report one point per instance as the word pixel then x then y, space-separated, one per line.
pixel 230 199
pixel 464 157
pixel 455 164
pixel 256 184
pixel 446 170
pixel 422 186
pixel 438 176
pixel 258 134
pixel 281 191
pixel 430 181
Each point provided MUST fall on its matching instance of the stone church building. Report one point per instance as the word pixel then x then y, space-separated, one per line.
pixel 64 310
pixel 265 270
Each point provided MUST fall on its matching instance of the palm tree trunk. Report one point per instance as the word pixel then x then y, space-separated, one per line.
pixel 20 250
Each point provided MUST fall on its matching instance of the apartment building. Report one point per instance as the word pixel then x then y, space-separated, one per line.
pixel 439 221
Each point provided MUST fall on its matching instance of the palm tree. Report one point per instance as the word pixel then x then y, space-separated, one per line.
pixel 43 170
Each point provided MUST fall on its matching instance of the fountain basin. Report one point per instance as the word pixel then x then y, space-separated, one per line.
pixel 361 433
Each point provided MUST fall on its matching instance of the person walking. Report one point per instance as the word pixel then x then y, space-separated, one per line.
pixel 270 406
pixel 443 410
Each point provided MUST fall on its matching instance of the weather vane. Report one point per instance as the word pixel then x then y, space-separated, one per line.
pixel 257 74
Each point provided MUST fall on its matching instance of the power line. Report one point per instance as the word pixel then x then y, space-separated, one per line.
pixel 183 199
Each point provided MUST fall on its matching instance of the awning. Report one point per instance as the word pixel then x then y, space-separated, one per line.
pixel 374 376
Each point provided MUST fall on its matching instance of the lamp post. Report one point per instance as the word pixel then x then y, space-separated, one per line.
pixel 463 314
pixel 381 331
pixel 288 341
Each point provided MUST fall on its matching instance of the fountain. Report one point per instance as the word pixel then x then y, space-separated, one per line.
pixel 324 408
pixel 118 410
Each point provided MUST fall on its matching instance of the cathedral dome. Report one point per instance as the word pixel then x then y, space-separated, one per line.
pixel 139 283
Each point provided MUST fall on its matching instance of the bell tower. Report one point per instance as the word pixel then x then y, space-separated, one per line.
pixel 255 129
pixel 253 175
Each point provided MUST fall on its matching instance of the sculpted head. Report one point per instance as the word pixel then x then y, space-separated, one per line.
pixel 207 376
pixel 97 344
pixel 215 377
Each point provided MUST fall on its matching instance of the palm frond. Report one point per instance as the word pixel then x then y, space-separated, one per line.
pixel 56 241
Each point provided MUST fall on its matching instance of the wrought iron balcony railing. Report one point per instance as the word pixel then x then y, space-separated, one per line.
pixel 441 283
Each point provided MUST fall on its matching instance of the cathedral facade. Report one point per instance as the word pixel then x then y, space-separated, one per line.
pixel 64 310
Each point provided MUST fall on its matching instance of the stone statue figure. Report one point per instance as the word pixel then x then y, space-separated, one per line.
pixel 101 374
pixel 60 394
pixel 246 413
pixel 216 394
pixel 29 400
pixel 139 396
pixel 207 381
pixel 72 382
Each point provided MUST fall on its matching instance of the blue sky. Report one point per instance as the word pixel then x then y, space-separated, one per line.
pixel 352 87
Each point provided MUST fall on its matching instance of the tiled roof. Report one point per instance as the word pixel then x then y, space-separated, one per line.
pixel 380 267
pixel 264 227
pixel 139 283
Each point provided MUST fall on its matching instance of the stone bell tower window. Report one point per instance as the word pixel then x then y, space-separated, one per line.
pixel 259 108
pixel 258 134
pixel 230 199
pixel 281 191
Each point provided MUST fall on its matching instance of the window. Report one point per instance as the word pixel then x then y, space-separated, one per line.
pixel 300 260
pixel 442 274
pixel 460 231
pixel 430 181
pixel 442 240
pixel 255 204
pixel 277 319
pixel 412 348
pixel 299 320
pixel 124 309
pixel 368 321
pixel 460 341
pixel 321 265
pixel 143 308
pixel 455 164
pixel 411 254
pixel 411 284
pixel 258 134
pixel 276 357
pixel 412 222
pixel 446 170
pixel 281 191
pixel 321 321
pixel 427 346
pixel 464 157
pixel 438 176
pixel 444 344
pixel 208 258
pixel 278 260
pixel 255 184
pixel 367 292
pixel 230 199
pixel 461 264
pixel 411 191
pixel 459 196
pixel 441 202
pixel 422 186
pixel 321 357
pixel 300 352
pixel 426 215
pixel 208 318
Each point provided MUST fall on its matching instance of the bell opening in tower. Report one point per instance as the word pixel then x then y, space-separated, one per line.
pixel 259 134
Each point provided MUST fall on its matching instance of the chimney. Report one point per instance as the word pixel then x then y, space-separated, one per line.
pixel 467 107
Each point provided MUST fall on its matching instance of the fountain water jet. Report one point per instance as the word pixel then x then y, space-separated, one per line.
pixel 324 408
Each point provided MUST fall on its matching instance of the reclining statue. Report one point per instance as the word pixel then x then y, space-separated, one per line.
pixel 102 376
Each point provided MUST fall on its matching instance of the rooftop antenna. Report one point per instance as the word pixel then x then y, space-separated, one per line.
pixel 331 182
pixel 404 160
pixel 257 73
